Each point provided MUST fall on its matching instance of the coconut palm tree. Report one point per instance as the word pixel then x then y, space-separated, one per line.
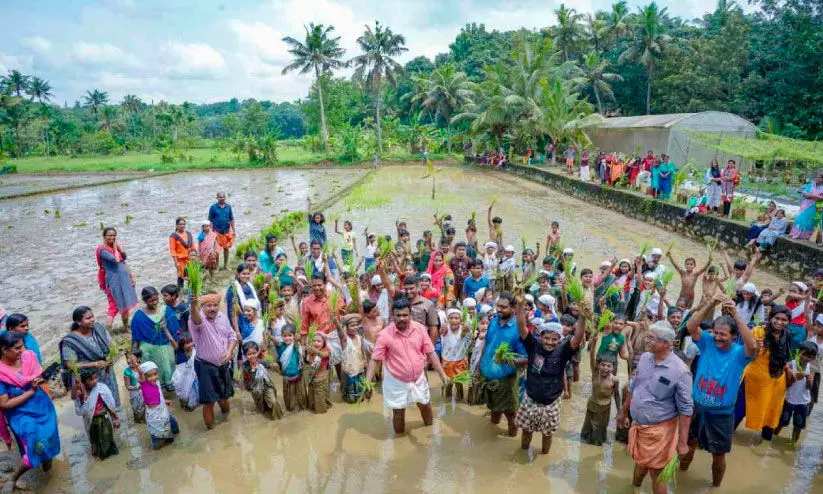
pixel 447 90
pixel 569 31
pixel 618 20
pixel 94 99
pixel 40 90
pixel 321 53
pixel 14 114
pixel 562 110
pixel 594 71
pixel 597 30
pixel 494 108
pixel 649 44
pixel 376 63
pixel 16 83
pixel 132 104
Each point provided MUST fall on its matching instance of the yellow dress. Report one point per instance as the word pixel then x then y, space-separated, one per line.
pixel 764 393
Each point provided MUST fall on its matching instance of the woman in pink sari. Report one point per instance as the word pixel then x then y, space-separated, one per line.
pixel 208 250
pixel 442 279
pixel 729 179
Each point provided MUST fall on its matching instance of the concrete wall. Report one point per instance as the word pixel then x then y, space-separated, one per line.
pixel 788 258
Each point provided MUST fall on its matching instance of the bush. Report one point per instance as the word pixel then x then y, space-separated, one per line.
pixel 97 142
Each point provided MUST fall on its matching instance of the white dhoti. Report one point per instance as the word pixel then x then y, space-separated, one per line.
pixel 398 395
pixel 584 173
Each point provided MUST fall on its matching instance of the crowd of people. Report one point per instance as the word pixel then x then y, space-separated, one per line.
pixel 502 331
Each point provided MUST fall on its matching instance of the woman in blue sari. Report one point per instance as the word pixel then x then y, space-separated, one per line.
pixel 665 180
pixel 809 218
pixel 28 409
pixel 154 330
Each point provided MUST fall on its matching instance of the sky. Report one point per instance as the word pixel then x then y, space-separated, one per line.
pixel 212 50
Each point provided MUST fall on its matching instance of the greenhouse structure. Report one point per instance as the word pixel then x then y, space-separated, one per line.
pixel 674 135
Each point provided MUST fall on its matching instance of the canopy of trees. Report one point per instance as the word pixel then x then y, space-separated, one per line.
pixel 492 88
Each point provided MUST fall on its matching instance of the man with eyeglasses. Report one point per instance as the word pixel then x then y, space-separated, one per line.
pixel 500 378
pixel 660 399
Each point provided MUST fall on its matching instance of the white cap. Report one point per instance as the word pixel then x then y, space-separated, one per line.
pixel 375 280
pixel 147 367
pixel 799 284
pixel 492 245
pixel 454 311
pixel 426 275
pixel 536 321
pixel 547 300
pixel 749 288
pixel 605 264
pixel 657 252
pixel 529 298
pixel 819 319
pixel 510 248
pixel 552 327
pixel 568 250
pixel 485 308
pixel 649 276
pixel 479 294
pixel 254 304
pixel 205 222
pixel 469 302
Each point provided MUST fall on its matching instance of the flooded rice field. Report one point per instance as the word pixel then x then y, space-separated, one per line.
pixel 48 268
pixel 24 184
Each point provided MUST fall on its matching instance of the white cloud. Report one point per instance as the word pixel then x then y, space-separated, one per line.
pixel 193 61
pixel 262 40
pixel 103 54
pixel 12 62
pixel 36 44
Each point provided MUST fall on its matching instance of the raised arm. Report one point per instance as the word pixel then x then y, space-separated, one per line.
pixel 728 262
pixel 705 266
pixel 674 263
pixel 336 227
pixel 750 268
pixel 809 315
pixel 195 311
pixel 693 324
pixel 384 278
pixel 580 329
pixel 522 320
pixel 593 354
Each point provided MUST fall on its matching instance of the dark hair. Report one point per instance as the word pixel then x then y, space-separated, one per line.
pixel 137 352
pixel 77 315
pixel 288 328
pixel 171 289
pixel 476 263
pixel 14 320
pixel 86 374
pixel 547 260
pixel 673 310
pixel 249 345
pixel 185 337
pixel 739 265
pixel 318 276
pixel 555 223
pixel 450 231
pixel 242 267
pixel 809 348
pixel 250 254
pixel 508 296
pixel 322 218
pixel 778 347
pixel 284 285
pixel 9 339
pixel 368 305
pixel 411 280
pixel 620 316
pixel 727 321
pixel 497 219
pixel 178 220
pixel 585 271
pixel 316 242
pixel 109 229
pixel 148 292
pixel 461 244
pixel 401 303
pixel 568 320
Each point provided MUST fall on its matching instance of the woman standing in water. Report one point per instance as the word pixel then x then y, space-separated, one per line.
pixel 115 278
pixel 180 243
pixel 28 409
pixel 154 330
pixel 207 249
pixel 87 346
pixel 19 323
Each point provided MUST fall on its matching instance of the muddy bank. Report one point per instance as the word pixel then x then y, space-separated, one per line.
pixel 48 263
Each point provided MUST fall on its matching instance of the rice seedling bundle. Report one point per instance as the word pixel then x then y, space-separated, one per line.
pixel 384 246
pixel 612 291
pixel 666 277
pixel 574 288
pixel 311 333
pixel 259 281
pixel 731 287
pixel 334 301
pixel 670 247
pixel 605 318
pixel 462 378
pixel 711 245
pixel 523 242
pixel 504 355
pixel 667 475
pixel 308 268
pixel 364 391
pixel 645 248
pixel 798 364
pixel 194 272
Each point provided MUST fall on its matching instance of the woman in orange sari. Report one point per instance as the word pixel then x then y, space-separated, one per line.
pixel 181 243
pixel 616 170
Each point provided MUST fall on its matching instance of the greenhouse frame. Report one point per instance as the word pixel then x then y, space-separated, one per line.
pixel 673 135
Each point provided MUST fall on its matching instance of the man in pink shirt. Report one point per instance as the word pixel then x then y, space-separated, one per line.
pixel 216 342
pixel 403 348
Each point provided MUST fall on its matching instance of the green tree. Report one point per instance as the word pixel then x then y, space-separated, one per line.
pixel 594 71
pixel 255 120
pixel 16 83
pixel 132 104
pixel 40 90
pixel 569 30
pixel 445 91
pixel 376 63
pixel 618 20
pixel 94 99
pixel 649 44
pixel 14 113
pixel 321 53
pixel 597 30
pixel 563 111
pixel 494 108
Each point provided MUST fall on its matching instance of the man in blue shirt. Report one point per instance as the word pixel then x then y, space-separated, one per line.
pixel 500 378
pixel 716 382
pixel 474 282
pixel 222 221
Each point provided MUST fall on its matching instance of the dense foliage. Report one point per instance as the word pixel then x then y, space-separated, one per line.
pixel 491 88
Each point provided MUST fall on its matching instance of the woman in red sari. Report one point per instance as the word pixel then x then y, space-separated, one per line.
pixel 115 278
pixel 442 279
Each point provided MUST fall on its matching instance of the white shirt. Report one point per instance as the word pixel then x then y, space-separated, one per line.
pixel 817 363
pixel 798 393
pixel 371 249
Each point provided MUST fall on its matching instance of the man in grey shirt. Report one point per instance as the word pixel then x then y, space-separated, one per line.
pixel 660 400
pixel 423 310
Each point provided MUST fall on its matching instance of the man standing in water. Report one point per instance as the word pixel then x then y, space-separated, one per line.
pixel 404 347
pixel 222 221
pixel 423 310
pixel 660 398
pixel 216 342
pixel 501 378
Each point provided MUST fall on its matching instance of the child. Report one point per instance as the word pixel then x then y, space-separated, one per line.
pixel 622 434
pixel 568 321
pixel 133 385
pixel 348 250
pixel 301 250
pixel 613 341
pixel 475 397
pixel 688 277
pixel 455 344
pixel 290 358
pixel 356 355
pixel 371 251
pixel 184 377
pixel 814 326
pixel 256 380
pixel 605 386
pixel 98 412
pixel 277 319
pixel 798 391
pixel 171 297
pixel 161 424
pixel 317 231
pixel 316 374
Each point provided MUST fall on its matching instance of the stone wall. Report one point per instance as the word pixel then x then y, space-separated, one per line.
pixel 789 258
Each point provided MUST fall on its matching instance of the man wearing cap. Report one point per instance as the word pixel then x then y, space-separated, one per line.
pixel 660 399
pixel 403 348
pixel 222 221
pixel 653 263
pixel 717 382
pixel 379 296
pixel 216 342
pixel 490 262
pixel 548 354
pixel 500 378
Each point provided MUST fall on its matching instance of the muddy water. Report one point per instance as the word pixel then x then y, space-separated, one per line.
pixel 352 449
pixel 12 185
pixel 48 265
